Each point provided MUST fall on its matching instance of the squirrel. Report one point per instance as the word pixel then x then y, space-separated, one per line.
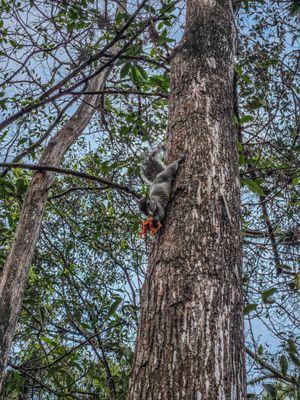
pixel 159 177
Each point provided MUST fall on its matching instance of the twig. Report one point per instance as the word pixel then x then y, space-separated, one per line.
pixel 74 189
pixel 261 378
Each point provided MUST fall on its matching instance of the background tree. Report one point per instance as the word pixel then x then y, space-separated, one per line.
pixel 78 320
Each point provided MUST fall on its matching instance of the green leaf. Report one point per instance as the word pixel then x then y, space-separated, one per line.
pixel 125 70
pixel 121 17
pixel 295 8
pixel 296 181
pixel 242 159
pixel 48 340
pixel 142 71
pixel 260 349
pixel 263 102
pixel 297 280
pixel 283 364
pixel 293 353
pixel 124 130
pixel 167 8
pixel 13 43
pixel 253 186
pixel 238 69
pixel 257 102
pixel 295 359
pixel 69 379
pixel 286 267
pixel 246 118
pixel 7 184
pixel 22 141
pixel 110 211
pixel 271 390
pixel 296 148
pixel 291 347
pixel 249 307
pixel 21 185
pixel 114 306
pixel 4 134
pixel 124 244
pixel 13 380
pixel 10 221
pixel 136 75
pixel 3 104
pixel 266 294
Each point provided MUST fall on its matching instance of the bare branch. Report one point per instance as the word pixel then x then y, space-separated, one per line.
pixel 125 92
pixel 83 175
pixel 29 149
pixel 74 189
pixel 261 378
pixel 45 99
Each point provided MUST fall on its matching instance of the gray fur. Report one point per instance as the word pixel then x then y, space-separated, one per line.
pixel 152 165
pixel 159 177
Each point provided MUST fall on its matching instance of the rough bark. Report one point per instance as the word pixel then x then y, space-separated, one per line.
pixel 15 272
pixel 190 341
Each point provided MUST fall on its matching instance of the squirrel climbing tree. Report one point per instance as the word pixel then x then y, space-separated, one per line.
pixel 190 339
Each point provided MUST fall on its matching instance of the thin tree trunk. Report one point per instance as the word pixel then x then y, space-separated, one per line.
pixel 15 272
pixel 190 342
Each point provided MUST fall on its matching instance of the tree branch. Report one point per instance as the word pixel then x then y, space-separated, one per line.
pixel 83 175
pixel 40 383
pixel 74 189
pixel 45 97
pixel 29 149
pixel 261 378
pixel 265 365
pixel 253 175
pixel 112 91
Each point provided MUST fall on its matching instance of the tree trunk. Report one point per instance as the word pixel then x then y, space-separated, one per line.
pixel 15 272
pixel 190 342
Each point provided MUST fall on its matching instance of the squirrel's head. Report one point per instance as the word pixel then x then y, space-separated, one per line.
pixel 152 207
pixel 147 206
pixel 144 205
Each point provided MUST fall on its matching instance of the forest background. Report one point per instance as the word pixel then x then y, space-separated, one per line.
pixel 76 331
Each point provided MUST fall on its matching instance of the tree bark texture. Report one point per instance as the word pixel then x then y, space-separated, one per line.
pixel 190 343
pixel 15 272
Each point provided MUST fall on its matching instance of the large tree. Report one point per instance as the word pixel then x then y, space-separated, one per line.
pixel 190 341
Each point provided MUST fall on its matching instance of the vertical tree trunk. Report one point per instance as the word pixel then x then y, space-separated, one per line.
pixel 190 338
pixel 15 272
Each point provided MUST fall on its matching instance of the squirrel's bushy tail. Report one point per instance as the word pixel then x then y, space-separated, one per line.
pixel 152 164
